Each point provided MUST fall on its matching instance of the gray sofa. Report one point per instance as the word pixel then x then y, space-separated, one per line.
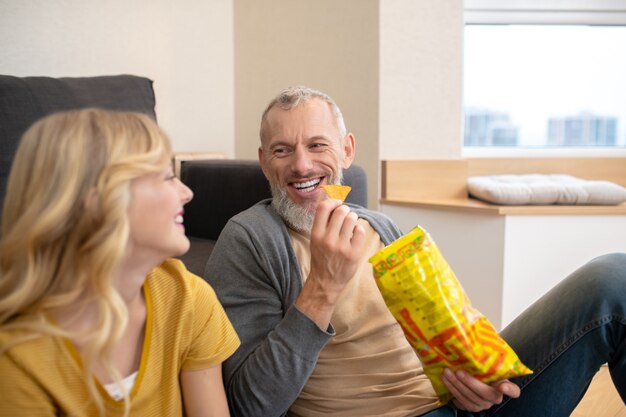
pixel 23 100
pixel 222 188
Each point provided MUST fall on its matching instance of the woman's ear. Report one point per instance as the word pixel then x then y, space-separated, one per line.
pixel 93 208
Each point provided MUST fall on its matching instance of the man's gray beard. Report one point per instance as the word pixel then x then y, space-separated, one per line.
pixel 297 217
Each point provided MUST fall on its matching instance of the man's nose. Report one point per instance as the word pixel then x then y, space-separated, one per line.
pixel 301 162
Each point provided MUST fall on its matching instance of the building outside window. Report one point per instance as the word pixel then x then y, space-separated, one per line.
pixel 539 74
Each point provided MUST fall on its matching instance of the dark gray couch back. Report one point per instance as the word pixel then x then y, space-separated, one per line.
pixel 225 187
pixel 25 100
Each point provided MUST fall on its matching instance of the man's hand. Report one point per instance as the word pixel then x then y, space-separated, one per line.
pixel 336 243
pixel 472 395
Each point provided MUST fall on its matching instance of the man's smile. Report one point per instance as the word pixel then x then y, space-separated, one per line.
pixel 307 186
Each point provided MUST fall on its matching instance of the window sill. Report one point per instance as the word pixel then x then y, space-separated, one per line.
pixel 503 152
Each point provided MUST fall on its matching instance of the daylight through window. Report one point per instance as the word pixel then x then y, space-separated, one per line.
pixel 545 86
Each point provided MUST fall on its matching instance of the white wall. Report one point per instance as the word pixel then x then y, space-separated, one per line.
pixel 394 66
pixel 185 47
pixel 421 70
pixel 542 250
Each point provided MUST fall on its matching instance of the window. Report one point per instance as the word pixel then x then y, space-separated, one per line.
pixel 543 76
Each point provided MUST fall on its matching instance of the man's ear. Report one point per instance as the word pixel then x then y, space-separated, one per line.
pixel 262 161
pixel 349 143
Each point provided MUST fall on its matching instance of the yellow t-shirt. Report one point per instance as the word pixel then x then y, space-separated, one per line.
pixel 368 368
pixel 186 329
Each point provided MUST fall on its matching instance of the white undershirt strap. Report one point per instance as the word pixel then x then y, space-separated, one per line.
pixel 114 390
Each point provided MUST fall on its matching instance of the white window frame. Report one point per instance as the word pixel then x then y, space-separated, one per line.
pixel 553 12
pixel 549 12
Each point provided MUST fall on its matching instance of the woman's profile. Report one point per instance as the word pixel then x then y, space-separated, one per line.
pixel 95 318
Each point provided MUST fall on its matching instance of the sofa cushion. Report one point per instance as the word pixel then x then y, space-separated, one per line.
pixel 196 257
pixel 222 188
pixel 25 100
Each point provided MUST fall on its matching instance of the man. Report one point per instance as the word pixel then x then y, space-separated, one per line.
pixel 317 338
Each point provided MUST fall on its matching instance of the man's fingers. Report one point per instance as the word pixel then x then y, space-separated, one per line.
pixel 348 225
pixel 323 215
pixel 338 218
pixel 358 236
pixel 507 388
pixel 469 393
pixel 467 399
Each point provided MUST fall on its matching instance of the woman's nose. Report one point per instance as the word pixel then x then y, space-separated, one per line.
pixel 185 192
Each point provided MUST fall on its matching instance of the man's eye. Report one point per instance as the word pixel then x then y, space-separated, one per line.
pixel 317 146
pixel 280 151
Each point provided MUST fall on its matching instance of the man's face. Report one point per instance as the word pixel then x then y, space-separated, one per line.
pixel 303 149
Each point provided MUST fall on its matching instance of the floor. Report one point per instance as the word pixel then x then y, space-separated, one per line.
pixel 601 399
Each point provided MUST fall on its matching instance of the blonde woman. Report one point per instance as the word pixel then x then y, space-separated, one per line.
pixel 94 317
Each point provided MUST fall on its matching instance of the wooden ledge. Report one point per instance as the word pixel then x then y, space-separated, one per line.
pixel 442 184
pixel 470 205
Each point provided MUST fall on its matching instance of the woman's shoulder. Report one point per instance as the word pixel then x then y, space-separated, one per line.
pixel 172 267
pixel 171 283
pixel 27 349
pixel 172 274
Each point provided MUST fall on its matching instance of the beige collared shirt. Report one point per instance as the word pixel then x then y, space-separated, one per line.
pixel 368 368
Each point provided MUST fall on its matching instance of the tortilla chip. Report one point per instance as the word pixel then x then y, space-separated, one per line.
pixel 338 192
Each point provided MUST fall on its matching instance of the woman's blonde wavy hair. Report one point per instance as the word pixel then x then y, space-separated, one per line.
pixel 65 226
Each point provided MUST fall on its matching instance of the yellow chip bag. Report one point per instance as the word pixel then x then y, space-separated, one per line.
pixel 338 192
pixel 425 297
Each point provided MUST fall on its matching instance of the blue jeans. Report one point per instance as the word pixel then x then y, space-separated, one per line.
pixel 564 338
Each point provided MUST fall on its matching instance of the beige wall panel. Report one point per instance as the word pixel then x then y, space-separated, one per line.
pixel 329 45
pixel 421 79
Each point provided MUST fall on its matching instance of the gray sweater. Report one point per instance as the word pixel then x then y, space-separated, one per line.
pixel 256 276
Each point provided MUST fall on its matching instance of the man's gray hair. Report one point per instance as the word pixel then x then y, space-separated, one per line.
pixel 292 97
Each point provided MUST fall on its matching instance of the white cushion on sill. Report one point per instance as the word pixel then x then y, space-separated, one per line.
pixel 543 189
